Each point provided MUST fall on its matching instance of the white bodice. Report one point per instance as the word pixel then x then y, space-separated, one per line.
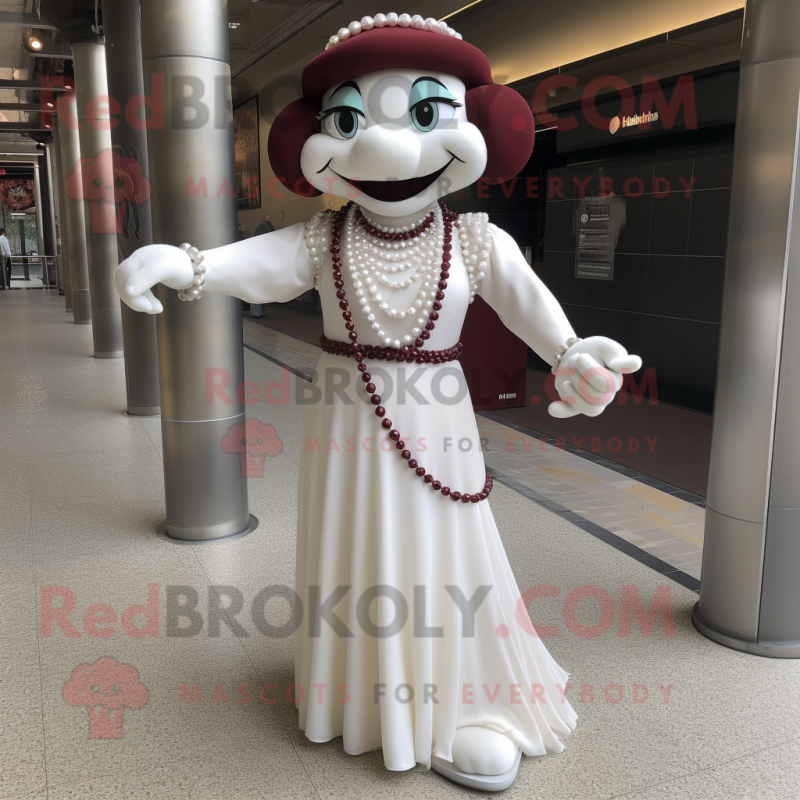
pixel 278 266
pixel 448 327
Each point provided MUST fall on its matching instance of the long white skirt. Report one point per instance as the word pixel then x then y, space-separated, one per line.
pixel 385 656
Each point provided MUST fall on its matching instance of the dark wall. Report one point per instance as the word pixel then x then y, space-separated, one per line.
pixel 518 206
pixel 665 299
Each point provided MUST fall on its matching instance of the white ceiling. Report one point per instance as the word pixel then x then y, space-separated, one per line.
pixel 16 63
pixel 12 53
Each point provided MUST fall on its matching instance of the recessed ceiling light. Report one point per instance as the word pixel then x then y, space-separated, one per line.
pixel 34 43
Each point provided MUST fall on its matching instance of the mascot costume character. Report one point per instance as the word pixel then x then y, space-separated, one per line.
pixel 397 112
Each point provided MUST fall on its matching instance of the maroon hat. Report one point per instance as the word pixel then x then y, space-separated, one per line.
pixel 396 48
pixel 502 115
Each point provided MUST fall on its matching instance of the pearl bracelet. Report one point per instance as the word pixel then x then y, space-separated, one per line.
pixel 561 350
pixel 195 291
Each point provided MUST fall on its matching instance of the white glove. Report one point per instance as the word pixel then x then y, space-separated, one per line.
pixel 590 375
pixel 156 263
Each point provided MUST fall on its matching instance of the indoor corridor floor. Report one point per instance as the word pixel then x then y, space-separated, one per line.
pixel 187 705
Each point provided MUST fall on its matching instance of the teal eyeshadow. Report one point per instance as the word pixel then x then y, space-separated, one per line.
pixel 426 90
pixel 347 96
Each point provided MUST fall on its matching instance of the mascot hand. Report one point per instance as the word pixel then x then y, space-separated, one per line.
pixel 157 263
pixel 590 375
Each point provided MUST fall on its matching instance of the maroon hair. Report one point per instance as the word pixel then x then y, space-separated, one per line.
pixel 501 114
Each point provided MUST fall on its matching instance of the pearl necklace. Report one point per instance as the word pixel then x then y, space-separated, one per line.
pixel 407 353
pixel 385 232
pixel 369 248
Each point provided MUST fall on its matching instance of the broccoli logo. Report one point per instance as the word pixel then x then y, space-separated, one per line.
pixel 114 186
pixel 253 441
pixel 106 688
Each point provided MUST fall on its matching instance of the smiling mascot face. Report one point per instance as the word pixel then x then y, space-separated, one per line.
pixel 395 140
pixel 396 115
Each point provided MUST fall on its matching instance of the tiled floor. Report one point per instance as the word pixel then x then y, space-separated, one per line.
pixel 33 283
pixel 81 496
pixel 655 521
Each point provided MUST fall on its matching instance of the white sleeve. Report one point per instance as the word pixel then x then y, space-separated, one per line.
pixel 520 298
pixel 271 268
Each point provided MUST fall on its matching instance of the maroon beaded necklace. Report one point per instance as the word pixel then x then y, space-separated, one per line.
pixel 407 353
pixel 397 235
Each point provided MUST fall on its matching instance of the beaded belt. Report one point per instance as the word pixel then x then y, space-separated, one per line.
pixel 410 355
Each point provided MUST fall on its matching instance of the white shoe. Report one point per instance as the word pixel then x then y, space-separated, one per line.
pixel 482 759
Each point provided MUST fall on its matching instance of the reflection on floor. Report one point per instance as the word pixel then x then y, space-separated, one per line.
pixel 654 520
pixel 663 713
pixel 33 283
pixel 639 432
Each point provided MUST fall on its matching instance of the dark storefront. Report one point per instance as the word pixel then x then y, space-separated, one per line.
pixel 659 289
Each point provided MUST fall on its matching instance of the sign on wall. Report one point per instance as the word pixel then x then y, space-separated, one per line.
pixel 598 223
pixel 247 155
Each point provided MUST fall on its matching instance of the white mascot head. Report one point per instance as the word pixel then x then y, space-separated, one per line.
pixel 396 113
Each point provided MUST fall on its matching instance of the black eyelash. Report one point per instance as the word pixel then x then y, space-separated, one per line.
pixel 446 100
pixel 323 115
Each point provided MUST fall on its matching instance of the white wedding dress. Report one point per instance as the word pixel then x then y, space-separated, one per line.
pixel 366 521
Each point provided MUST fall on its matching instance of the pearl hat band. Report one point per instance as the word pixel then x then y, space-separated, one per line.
pixel 391 20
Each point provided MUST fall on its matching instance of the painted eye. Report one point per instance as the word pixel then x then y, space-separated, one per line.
pixel 425 115
pixel 344 123
pixel 429 114
pixel 341 115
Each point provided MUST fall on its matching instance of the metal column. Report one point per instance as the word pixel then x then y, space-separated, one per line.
pixel 38 201
pixel 89 58
pixel 51 216
pixel 61 217
pixel 185 52
pixel 750 593
pixel 78 261
pixel 126 86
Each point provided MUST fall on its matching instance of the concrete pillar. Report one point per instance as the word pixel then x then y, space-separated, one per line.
pixel 94 114
pixel 64 267
pixel 185 52
pixel 750 594
pixel 53 271
pixel 78 261
pixel 39 203
pixel 125 83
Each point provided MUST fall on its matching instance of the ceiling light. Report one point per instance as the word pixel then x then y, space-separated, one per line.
pixel 464 8
pixel 33 43
pixel 50 105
